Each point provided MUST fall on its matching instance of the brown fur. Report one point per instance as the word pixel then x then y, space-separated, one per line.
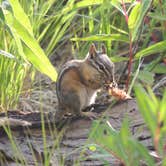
pixel 77 85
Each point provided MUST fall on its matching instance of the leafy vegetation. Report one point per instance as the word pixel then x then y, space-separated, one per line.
pixel 135 35
pixel 121 145
pixel 22 35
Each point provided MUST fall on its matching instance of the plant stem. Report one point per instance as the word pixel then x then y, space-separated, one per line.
pixel 130 48
pixel 135 76
pixel 157 134
pixel 125 12
pixel 130 62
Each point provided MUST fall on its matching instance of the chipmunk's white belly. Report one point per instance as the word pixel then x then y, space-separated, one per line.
pixel 92 98
pixel 87 97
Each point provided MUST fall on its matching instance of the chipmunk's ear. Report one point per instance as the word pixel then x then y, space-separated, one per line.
pixel 92 51
pixel 103 49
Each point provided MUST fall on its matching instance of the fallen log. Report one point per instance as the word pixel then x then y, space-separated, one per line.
pixel 32 132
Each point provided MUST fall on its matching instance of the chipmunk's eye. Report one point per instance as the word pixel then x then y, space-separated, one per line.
pixel 101 67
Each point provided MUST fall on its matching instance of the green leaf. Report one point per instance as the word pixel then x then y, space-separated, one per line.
pixel 118 30
pixel 20 15
pixel 160 69
pixel 19 46
pixel 147 108
pixel 158 16
pixel 81 4
pixel 155 48
pixel 107 137
pixel 34 53
pixel 132 17
pixel 86 3
pixel 2 17
pixel 117 5
pixel 119 59
pixel 146 77
pixel 163 107
pixel 103 37
pixel 119 144
pixel 137 16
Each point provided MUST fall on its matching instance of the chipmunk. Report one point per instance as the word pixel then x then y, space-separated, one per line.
pixel 79 80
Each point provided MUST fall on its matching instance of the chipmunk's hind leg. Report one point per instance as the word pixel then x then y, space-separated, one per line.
pixel 71 101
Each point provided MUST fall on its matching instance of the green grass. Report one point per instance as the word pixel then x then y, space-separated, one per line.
pixel 24 29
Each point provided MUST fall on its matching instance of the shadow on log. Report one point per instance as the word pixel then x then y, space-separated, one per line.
pixel 65 145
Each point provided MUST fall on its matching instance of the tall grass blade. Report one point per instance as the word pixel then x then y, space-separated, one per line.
pixel 104 37
pixel 137 16
pixel 7 54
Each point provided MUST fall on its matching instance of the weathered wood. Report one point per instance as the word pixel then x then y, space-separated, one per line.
pixel 67 143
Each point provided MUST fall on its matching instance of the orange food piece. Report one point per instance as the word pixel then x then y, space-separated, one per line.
pixel 118 93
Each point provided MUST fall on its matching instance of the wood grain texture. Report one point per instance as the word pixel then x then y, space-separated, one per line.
pixel 67 144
